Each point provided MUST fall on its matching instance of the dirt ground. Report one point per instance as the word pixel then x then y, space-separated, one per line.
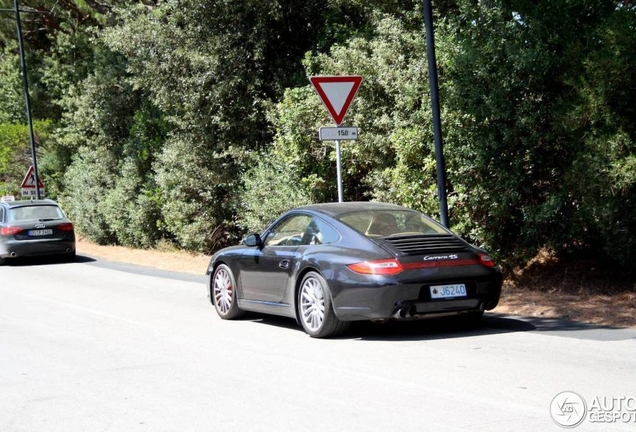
pixel 542 289
pixel 165 260
pixel 612 310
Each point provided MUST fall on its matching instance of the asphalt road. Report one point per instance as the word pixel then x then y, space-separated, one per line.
pixel 98 346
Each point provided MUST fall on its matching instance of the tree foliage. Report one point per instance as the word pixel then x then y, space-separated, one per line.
pixel 193 121
pixel 538 141
pixel 15 153
pixel 393 158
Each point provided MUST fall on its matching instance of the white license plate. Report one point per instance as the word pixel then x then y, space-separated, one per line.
pixel 448 291
pixel 35 233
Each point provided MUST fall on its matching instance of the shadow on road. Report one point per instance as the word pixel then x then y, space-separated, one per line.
pixel 272 320
pixel 436 328
pixel 440 328
pixel 449 328
pixel 574 329
pixel 46 260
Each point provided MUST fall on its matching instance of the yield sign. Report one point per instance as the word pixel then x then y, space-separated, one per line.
pixel 337 93
pixel 29 180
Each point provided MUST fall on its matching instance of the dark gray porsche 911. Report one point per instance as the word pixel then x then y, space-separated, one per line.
pixel 329 264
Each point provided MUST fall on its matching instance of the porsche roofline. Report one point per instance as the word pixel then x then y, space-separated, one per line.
pixel 336 209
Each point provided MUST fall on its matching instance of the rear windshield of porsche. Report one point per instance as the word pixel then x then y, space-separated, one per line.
pixel 385 223
pixel 30 213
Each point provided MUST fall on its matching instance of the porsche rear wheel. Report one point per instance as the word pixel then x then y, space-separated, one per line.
pixel 315 310
pixel 224 293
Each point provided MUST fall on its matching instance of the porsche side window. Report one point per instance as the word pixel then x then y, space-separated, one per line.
pixel 319 232
pixel 288 232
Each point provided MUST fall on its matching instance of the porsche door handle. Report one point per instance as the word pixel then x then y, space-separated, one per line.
pixel 284 264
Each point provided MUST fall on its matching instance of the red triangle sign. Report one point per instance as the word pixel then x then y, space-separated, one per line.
pixel 29 180
pixel 337 93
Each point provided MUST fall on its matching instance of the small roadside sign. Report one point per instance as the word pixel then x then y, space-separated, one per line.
pixel 337 93
pixel 29 179
pixel 338 133
pixel 28 185
pixel 30 193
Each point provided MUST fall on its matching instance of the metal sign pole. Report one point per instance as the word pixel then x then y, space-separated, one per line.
pixel 27 98
pixel 339 170
pixel 437 124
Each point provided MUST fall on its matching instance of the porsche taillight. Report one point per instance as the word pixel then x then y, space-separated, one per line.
pixel 11 230
pixel 486 260
pixel 384 267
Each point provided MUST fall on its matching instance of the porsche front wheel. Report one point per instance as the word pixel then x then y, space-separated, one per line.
pixel 223 293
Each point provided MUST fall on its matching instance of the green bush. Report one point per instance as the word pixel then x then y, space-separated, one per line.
pixel 88 181
pixel 130 210
pixel 270 188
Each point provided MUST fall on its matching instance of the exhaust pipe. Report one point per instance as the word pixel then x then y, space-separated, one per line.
pixel 406 312
pixel 13 254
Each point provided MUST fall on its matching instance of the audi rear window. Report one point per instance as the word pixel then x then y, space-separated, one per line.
pixel 28 213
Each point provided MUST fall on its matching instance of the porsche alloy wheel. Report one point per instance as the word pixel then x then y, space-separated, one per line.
pixel 315 310
pixel 312 304
pixel 224 293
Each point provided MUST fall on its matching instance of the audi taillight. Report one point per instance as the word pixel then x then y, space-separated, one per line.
pixel 65 227
pixel 11 230
pixel 384 267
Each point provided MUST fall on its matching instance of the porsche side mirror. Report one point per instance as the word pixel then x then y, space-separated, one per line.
pixel 252 240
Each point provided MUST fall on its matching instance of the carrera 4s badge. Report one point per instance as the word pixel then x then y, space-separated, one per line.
pixel 440 257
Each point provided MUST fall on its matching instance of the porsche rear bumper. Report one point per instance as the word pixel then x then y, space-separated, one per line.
pixel 383 298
